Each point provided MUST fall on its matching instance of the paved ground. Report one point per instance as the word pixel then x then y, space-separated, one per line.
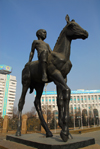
pixel 13 145
pixel 95 134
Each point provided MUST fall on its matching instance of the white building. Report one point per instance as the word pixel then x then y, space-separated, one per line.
pixel 7 91
pixel 87 101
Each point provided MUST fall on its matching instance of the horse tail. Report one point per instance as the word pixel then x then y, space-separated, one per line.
pixel 26 77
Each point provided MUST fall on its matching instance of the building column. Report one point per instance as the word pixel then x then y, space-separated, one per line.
pixel 99 116
pixel 81 119
pixel 5 124
pixel 74 117
pixel 88 116
pixel 24 124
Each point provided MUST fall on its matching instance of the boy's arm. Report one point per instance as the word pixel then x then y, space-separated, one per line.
pixel 32 51
pixel 49 48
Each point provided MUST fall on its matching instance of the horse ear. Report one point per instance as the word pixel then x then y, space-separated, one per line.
pixel 67 18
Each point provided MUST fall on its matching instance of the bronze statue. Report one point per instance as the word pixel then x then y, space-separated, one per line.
pixel 58 66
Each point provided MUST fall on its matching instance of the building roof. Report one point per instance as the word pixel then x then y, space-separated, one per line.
pixel 72 92
pixel 4 69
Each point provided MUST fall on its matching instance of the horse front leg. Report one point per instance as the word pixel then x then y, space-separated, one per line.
pixel 37 102
pixel 61 83
pixel 65 129
pixel 20 108
pixel 60 105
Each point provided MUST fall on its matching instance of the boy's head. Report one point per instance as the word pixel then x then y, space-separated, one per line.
pixel 41 33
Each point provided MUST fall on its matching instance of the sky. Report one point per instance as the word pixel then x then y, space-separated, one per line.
pixel 19 21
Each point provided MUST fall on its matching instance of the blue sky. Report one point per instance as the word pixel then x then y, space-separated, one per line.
pixel 19 21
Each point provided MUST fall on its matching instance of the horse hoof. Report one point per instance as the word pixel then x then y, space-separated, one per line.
pixel 49 134
pixel 18 133
pixel 63 136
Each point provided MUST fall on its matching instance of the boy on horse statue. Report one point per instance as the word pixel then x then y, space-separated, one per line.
pixel 43 49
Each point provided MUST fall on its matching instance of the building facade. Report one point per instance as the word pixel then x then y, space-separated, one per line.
pixel 85 102
pixel 7 91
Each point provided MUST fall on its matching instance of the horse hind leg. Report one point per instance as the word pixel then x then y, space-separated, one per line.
pixel 25 86
pixel 39 90
pixel 20 108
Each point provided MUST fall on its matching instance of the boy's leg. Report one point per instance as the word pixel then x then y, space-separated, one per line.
pixel 43 59
pixel 44 74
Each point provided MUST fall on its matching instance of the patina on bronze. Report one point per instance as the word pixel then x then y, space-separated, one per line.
pixel 58 66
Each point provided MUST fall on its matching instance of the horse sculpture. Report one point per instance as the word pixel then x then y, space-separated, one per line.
pixel 58 67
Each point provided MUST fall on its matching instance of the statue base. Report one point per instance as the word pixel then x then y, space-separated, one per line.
pixel 39 141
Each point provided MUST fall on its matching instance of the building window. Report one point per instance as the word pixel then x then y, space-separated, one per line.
pixel 71 99
pixel 78 108
pixel 49 100
pixel 81 98
pixel 42 99
pixel 89 106
pixel 55 112
pixel 82 105
pixel 74 99
pixel 85 98
pixel 78 99
pixel 46 100
pixel 95 97
pixel 53 100
pixel 92 98
pixel 88 97
pixel 53 106
pixel 71 109
pixel 75 109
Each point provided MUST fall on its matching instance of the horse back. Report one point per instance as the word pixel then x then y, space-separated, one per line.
pixel 57 59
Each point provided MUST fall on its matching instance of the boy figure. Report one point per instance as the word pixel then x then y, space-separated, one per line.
pixel 42 49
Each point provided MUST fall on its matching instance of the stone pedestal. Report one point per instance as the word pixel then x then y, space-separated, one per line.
pixel 45 118
pixel 41 142
pixel 5 124
pixel 24 124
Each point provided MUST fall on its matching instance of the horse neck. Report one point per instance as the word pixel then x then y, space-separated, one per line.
pixel 63 45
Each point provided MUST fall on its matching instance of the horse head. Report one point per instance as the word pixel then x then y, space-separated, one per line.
pixel 62 47
pixel 74 30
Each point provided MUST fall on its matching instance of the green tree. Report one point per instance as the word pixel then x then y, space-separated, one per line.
pixel 33 124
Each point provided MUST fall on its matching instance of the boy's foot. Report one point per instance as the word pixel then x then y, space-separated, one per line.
pixel 44 78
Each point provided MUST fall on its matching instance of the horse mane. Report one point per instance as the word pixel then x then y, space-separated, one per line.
pixel 59 38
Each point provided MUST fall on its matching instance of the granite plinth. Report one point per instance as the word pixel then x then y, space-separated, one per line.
pixel 41 142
